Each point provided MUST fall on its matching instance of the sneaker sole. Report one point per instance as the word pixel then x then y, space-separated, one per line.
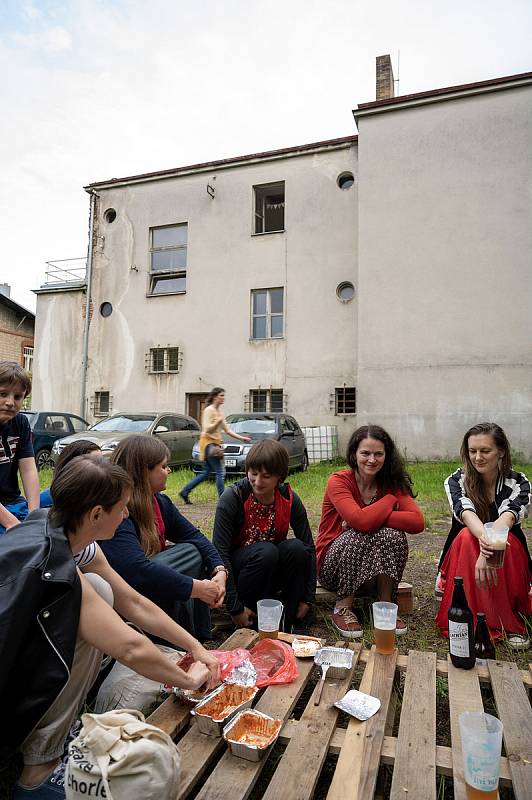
pixel 518 644
pixel 401 631
pixel 348 634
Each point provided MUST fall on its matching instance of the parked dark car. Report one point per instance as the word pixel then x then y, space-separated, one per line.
pixel 259 426
pixel 177 431
pixel 49 426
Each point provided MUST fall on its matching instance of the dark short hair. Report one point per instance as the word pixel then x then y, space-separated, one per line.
pixel 212 394
pixel 270 456
pixel 84 483
pixel 81 447
pixel 11 372
pixel 392 477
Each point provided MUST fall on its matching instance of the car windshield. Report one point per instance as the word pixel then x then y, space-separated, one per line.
pixel 130 424
pixel 261 425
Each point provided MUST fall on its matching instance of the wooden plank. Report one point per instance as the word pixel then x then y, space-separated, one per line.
pixel 415 767
pixel 300 767
pixel 172 717
pixel 356 772
pixel 444 759
pixel 464 695
pixel 233 778
pixel 515 714
pixel 442 671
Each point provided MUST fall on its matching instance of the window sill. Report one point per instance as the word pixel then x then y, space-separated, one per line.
pixel 268 233
pixel 268 339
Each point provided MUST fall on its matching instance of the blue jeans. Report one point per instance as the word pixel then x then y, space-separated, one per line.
pixel 193 614
pixel 215 465
pixel 19 509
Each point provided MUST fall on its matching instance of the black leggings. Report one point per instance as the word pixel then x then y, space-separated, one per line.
pixel 262 569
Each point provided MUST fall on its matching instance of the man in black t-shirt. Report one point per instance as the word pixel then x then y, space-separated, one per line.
pixel 16 449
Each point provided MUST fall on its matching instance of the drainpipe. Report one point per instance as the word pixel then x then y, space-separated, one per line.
pixel 85 352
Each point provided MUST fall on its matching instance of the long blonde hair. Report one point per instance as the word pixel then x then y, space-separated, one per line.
pixel 138 455
pixel 473 484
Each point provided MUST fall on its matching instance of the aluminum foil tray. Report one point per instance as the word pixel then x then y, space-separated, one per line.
pixel 251 734
pixel 215 711
pixel 339 658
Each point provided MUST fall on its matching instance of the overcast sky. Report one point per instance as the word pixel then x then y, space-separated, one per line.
pixel 95 89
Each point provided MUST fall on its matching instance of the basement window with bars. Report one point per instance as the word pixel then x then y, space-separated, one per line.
pixel 264 400
pixel 101 404
pixel 268 208
pixel 163 360
pixel 345 400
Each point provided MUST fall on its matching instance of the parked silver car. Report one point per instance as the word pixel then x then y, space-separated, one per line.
pixel 259 426
pixel 177 431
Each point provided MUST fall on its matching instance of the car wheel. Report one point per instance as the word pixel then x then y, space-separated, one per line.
pixel 42 459
pixel 304 463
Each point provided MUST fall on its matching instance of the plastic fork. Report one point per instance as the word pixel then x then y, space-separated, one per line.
pixel 324 667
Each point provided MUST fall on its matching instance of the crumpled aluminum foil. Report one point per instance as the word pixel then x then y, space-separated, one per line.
pixel 244 674
pixel 359 705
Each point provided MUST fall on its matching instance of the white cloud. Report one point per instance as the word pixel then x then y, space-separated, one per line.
pixel 57 39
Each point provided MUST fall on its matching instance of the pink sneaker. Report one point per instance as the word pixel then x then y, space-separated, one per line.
pixel 346 623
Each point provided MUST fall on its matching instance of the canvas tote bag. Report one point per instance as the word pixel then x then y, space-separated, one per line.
pixel 117 756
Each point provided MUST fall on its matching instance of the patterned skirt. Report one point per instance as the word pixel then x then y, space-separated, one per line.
pixel 355 558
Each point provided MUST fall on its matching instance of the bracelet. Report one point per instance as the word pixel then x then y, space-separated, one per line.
pixel 220 568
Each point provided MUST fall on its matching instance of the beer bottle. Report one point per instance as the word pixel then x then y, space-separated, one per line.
pixel 461 629
pixel 484 647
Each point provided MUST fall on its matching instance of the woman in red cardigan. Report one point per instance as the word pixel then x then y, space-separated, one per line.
pixel 367 509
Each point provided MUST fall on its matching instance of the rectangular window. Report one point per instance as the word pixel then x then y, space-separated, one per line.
pixel 267 313
pixel 269 207
pixel 168 259
pixel 264 400
pixel 28 359
pixel 345 400
pixel 163 359
pixel 101 404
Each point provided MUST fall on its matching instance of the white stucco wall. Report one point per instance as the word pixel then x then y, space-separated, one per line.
pixel 445 254
pixel 211 322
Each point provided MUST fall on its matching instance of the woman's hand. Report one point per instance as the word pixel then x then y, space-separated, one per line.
pixel 200 654
pixel 244 619
pixel 302 610
pixel 486 549
pixel 485 577
pixel 199 676
pixel 206 590
pixel 220 580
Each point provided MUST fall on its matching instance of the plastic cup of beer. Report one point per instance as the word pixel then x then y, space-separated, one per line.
pixel 497 536
pixel 384 623
pixel 269 613
pixel 481 736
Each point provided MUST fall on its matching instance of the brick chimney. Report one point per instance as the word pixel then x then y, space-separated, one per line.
pixel 385 85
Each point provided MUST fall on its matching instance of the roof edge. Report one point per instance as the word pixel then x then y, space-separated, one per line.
pixel 445 93
pixel 16 307
pixel 267 155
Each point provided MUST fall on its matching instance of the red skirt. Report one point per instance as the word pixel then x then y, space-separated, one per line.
pixel 502 604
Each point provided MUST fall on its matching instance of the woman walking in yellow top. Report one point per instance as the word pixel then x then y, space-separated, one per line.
pixel 210 443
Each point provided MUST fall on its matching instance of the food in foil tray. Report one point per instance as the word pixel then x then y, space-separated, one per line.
pixel 306 646
pixel 251 733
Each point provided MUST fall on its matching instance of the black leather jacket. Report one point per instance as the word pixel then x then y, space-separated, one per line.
pixel 40 601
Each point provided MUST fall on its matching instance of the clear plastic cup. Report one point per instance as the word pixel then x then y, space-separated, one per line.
pixel 481 736
pixel 497 537
pixel 269 613
pixel 384 623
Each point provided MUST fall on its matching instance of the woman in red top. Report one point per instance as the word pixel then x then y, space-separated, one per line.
pixel 367 509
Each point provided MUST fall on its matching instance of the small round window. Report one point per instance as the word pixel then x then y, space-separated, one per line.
pixel 106 309
pixel 109 215
pixel 345 291
pixel 345 180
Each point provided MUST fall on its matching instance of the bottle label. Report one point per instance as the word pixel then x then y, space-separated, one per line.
pixel 459 639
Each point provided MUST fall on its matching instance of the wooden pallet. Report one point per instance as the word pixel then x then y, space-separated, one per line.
pixel 363 746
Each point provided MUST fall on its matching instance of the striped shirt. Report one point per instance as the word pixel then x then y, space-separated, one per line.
pixel 85 556
pixel 512 494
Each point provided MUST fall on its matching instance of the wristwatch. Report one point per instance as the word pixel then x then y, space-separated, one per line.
pixel 220 568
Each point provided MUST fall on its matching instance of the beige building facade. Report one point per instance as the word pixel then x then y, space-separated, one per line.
pixel 384 278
